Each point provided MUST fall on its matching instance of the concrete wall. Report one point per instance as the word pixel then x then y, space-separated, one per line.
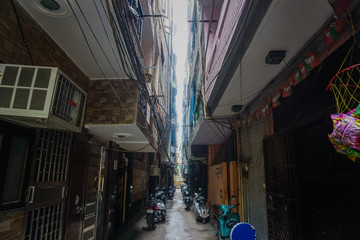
pixel 252 158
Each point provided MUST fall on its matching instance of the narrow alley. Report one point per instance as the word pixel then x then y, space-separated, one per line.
pixel 247 109
pixel 179 224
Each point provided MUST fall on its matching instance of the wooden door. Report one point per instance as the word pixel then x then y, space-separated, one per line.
pixel 94 197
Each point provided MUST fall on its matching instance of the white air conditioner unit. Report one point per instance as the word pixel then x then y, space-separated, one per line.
pixel 41 97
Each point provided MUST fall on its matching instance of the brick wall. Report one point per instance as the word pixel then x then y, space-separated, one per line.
pixel 11 226
pixel 43 50
pixel 104 107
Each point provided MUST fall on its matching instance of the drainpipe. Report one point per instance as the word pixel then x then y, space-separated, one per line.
pixel 240 176
pixel 125 183
pixel 228 179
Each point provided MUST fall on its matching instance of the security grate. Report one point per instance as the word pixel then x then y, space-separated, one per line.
pixel 45 223
pixel 279 190
pixel 69 101
pixel 52 156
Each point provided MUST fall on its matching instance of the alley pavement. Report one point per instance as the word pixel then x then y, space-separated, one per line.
pixel 179 225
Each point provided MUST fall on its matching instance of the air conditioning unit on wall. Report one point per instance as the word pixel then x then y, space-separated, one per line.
pixel 41 97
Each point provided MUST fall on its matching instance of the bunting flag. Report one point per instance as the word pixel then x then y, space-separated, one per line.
pixel 275 99
pixel 303 70
pixel 311 61
pixel 296 77
pixel 249 120
pixel 243 123
pixel 265 110
pixel 257 114
pixel 286 89
pixel 331 33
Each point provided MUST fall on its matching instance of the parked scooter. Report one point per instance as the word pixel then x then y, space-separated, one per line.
pixel 160 194
pixel 160 211
pixel 187 199
pixel 226 221
pixel 183 189
pixel 171 193
pixel 151 215
pixel 160 205
pixel 201 210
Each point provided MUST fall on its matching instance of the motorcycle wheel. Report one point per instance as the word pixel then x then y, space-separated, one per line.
pixel 163 216
pixel 150 222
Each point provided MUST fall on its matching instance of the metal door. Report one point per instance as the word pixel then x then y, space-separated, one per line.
pixel 279 175
pixel 45 202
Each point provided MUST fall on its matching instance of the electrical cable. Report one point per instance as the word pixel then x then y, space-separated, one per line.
pixel 156 121
pixel 22 32
pixel 93 55
pixel 103 51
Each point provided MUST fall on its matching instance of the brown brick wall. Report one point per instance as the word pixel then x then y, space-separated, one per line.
pixel 11 226
pixel 44 51
pixel 103 106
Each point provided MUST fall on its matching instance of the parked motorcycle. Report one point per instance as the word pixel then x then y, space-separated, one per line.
pixel 151 215
pixel 171 193
pixel 183 189
pixel 201 210
pixel 159 194
pixel 226 221
pixel 187 199
pixel 160 205
pixel 160 211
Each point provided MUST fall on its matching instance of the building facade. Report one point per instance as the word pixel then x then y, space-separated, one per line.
pixel 85 114
pixel 266 119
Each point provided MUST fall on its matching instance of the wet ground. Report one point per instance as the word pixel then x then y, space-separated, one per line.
pixel 179 225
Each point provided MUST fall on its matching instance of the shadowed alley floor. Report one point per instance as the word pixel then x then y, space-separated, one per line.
pixel 180 224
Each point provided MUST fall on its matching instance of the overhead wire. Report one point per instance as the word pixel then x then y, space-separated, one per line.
pixel 102 49
pixel 22 32
pixel 118 15
pixel 203 77
pixel 101 70
pixel 146 90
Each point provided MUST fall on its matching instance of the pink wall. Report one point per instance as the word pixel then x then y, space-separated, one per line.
pixel 227 22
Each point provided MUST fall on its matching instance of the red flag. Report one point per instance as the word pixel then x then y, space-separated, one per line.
pixel 303 70
pixel 249 121
pixel 243 122
pixel 275 100
pixel 311 60
pixel 297 77
pixel 263 112
pixel 286 89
